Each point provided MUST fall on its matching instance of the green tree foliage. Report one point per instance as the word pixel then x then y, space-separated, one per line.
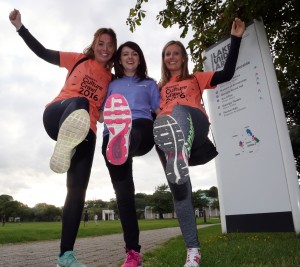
pixel 5 198
pixel 211 20
pixel 216 204
pixel 200 199
pixel 113 204
pixel 204 198
pixel 213 192
pixel 47 213
pixel 141 201
pixel 13 209
pixel 161 200
pixel 97 203
pixel 96 206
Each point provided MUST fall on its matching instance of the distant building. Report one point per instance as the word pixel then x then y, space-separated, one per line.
pixel 108 215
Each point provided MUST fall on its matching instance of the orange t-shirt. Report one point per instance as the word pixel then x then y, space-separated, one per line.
pixel 186 92
pixel 89 80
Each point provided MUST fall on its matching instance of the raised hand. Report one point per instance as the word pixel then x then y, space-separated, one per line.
pixel 238 27
pixel 15 18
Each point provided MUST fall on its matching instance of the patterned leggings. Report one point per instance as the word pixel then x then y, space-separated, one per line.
pixel 187 118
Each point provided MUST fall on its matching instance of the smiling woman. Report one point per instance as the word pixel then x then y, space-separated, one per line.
pixel 132 99
pixel 71 118
pixel 30 82
pixel 182 126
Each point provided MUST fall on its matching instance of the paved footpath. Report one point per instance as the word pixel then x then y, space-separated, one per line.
pixel 103 251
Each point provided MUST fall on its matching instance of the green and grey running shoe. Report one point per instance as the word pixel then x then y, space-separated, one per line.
pixel 68 259
pixel 170 139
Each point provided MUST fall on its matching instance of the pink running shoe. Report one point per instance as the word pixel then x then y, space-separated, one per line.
pixel 133 259
pixel 117 117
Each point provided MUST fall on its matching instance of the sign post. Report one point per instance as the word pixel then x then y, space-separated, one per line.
pixel 256 171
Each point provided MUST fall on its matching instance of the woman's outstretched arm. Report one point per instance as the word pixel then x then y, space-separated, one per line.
pixel 48 55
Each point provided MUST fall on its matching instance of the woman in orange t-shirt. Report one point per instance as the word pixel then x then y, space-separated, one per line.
pixel 181 128
pixel 71 119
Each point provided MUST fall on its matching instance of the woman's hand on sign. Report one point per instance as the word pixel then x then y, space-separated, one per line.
pixel 238 27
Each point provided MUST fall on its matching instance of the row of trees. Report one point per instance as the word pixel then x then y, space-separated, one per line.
pixel 211 20
pixel 160 200
pixel 14 209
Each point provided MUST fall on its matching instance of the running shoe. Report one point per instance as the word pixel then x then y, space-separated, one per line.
pixel 68 259
pixel 170 139
pixel 133 259
pixel 117 117
pixel 72 132
pixel 193 257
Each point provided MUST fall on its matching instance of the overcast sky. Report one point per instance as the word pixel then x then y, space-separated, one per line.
pixel 27 84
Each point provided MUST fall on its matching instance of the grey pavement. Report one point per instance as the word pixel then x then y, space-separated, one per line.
pixel 103 251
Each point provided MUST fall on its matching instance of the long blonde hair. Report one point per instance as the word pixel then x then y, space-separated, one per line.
pixel 165 73
pixel 89 51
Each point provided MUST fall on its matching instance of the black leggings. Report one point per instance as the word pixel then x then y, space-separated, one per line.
pixel 141 142
pixel 79 172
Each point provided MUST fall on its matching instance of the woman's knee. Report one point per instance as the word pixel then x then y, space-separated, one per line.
pixel 124 189
pixel 180 192
pixel 80 103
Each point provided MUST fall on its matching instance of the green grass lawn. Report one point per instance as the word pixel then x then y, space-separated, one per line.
pixel 37 231
pixel 230 250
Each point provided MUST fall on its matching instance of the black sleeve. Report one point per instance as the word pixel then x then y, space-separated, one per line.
pixel 48 55
pixel 227 73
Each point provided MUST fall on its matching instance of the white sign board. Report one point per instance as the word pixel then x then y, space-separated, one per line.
pixel 256 172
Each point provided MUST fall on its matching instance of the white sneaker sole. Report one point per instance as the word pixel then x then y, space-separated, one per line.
pixel 71 133
pixel 170 139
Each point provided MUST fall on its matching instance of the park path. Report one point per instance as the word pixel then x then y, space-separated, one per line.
pixel 102 251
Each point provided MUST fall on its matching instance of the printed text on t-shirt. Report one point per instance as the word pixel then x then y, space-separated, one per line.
pixel 89 88
pixel 174 92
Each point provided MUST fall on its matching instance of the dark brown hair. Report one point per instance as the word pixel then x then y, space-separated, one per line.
pixel 141 71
